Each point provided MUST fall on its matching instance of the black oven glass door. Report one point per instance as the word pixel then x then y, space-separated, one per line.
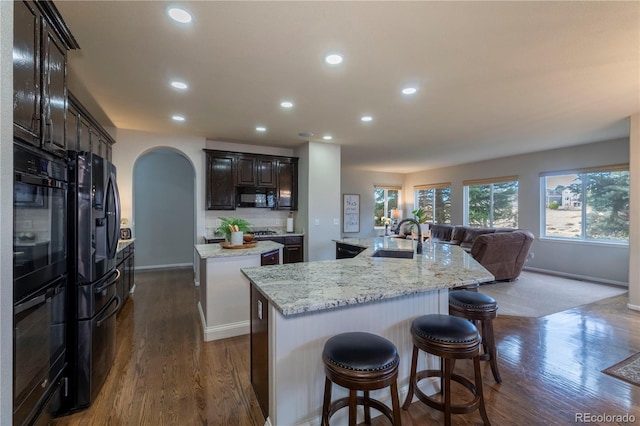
pixel 39 347
pixel 39 227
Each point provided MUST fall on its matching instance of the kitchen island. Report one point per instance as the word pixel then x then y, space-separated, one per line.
pixel 224 290
pixel 295 308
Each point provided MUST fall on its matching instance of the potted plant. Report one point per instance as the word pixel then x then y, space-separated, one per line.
pixel 421 217
pixel 229 225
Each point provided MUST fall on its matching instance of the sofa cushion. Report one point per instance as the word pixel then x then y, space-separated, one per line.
pixel 471 234
pixel 503 253
pixel 458 234
pixel 441 232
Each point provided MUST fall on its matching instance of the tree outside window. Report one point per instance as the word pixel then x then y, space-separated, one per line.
pixel 587 206
pixel 492 204
pixel 435 201
pixel 385 200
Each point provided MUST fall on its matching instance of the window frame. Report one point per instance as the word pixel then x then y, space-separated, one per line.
pixel 434 211
pixel 584 178
pixel 387 210
pixel 489 181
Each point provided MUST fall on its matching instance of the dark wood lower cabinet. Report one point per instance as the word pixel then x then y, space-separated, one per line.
pixel 260 349
pixel 346 251
pixel 270 258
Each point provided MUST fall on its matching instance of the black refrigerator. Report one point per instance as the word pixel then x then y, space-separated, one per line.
pixel 94 229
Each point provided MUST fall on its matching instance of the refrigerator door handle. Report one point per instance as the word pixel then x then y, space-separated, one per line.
pixel 109 282
pixel 112 313
pixel 113 234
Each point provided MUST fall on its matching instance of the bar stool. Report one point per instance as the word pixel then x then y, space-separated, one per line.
pixel 360 362
pixel 449 338
pixel 481 309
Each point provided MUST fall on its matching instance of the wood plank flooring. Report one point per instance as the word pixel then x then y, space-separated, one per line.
pixel 165 374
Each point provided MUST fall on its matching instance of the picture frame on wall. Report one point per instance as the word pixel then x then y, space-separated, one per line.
pixel 350 213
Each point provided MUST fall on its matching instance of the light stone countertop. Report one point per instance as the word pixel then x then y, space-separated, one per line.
pixel 206 251
pixel 296 288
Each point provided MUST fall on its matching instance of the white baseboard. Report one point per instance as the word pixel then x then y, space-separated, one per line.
pixel 633 307
pixel 577 277
pixel 223 331
pixel 171 266
pixel 132 289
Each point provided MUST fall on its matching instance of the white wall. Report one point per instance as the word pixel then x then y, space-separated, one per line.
pixel 362 182
pixel 131 144
pixel 6 210
pixel 605 262
pixel 164 200
pixel 634 226
pixel 320 198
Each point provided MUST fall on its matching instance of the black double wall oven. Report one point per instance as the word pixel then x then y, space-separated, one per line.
pixel 39 284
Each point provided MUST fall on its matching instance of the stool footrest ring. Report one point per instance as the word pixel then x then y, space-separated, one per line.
pixel 455 408
pixel 360 400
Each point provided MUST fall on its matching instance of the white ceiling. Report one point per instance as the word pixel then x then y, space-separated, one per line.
pixel 494 78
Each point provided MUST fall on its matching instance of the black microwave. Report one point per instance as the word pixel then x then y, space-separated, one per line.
pixel 256 197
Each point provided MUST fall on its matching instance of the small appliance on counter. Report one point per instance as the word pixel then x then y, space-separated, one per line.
pixel 290 223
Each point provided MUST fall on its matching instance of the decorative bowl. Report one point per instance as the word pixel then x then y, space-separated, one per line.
pixel 247 238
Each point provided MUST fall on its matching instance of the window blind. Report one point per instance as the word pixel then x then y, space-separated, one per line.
pixel 433 186
pixel 610 168
pixel 397 187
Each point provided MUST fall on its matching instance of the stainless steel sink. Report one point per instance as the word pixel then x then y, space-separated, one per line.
pixel 396 254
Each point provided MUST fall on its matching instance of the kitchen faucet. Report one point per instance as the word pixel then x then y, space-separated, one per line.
pixel 419 247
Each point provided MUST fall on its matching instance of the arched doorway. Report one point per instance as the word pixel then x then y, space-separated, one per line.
pixel 164 209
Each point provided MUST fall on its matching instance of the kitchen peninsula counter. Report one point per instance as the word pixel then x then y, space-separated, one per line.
pixel 295 308
pixel 224 290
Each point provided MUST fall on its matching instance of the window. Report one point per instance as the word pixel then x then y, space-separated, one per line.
pixel 435 201
pixel 386 198
pixel 492 202
pixel 587 205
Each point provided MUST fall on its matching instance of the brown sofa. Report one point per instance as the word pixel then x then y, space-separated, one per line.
pixel 503 251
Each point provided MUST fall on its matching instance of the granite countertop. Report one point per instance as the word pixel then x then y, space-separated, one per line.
pixel 296 288
pixel 206 251
pixel 262 237
pixel 122 244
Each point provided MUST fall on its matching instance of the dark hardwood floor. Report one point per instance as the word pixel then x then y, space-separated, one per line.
pixel 164 374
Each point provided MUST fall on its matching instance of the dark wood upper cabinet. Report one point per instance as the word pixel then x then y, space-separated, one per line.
pixel 246 170
pixel 266 172
pixel 287 184
pixel 228 170
pixel 41 41
pixel 84 133
pixel 26 72
pixel 220 181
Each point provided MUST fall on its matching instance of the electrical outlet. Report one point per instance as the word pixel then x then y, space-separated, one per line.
pixel 531 255
pixel 27 224
pixel 336 221
pixel 317 222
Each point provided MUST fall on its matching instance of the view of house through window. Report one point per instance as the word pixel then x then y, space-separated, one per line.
pixel 492 202
pixel 591 205
pixel 435 201
pixel 386 198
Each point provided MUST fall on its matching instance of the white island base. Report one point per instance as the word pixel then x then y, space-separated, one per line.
pixel 296 371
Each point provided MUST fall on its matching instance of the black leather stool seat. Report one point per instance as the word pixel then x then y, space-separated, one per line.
pixel 360 351
pixel 446 329
pixel 360 362
pixel 450 338
pixel 481 309
pixel 472 300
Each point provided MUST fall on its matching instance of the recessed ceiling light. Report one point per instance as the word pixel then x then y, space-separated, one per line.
pixel 305 134
pixel 286 104
pixel 366 118
pixel 327 137
pixel 333 59
pixel 409 90
pixel 179 15
pixel 180 85
pixel 178 117
pixel 261 129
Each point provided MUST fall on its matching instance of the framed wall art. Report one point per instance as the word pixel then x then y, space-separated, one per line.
pixel 350 212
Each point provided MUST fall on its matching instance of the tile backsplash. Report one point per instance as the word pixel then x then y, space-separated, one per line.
pixel 258 218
